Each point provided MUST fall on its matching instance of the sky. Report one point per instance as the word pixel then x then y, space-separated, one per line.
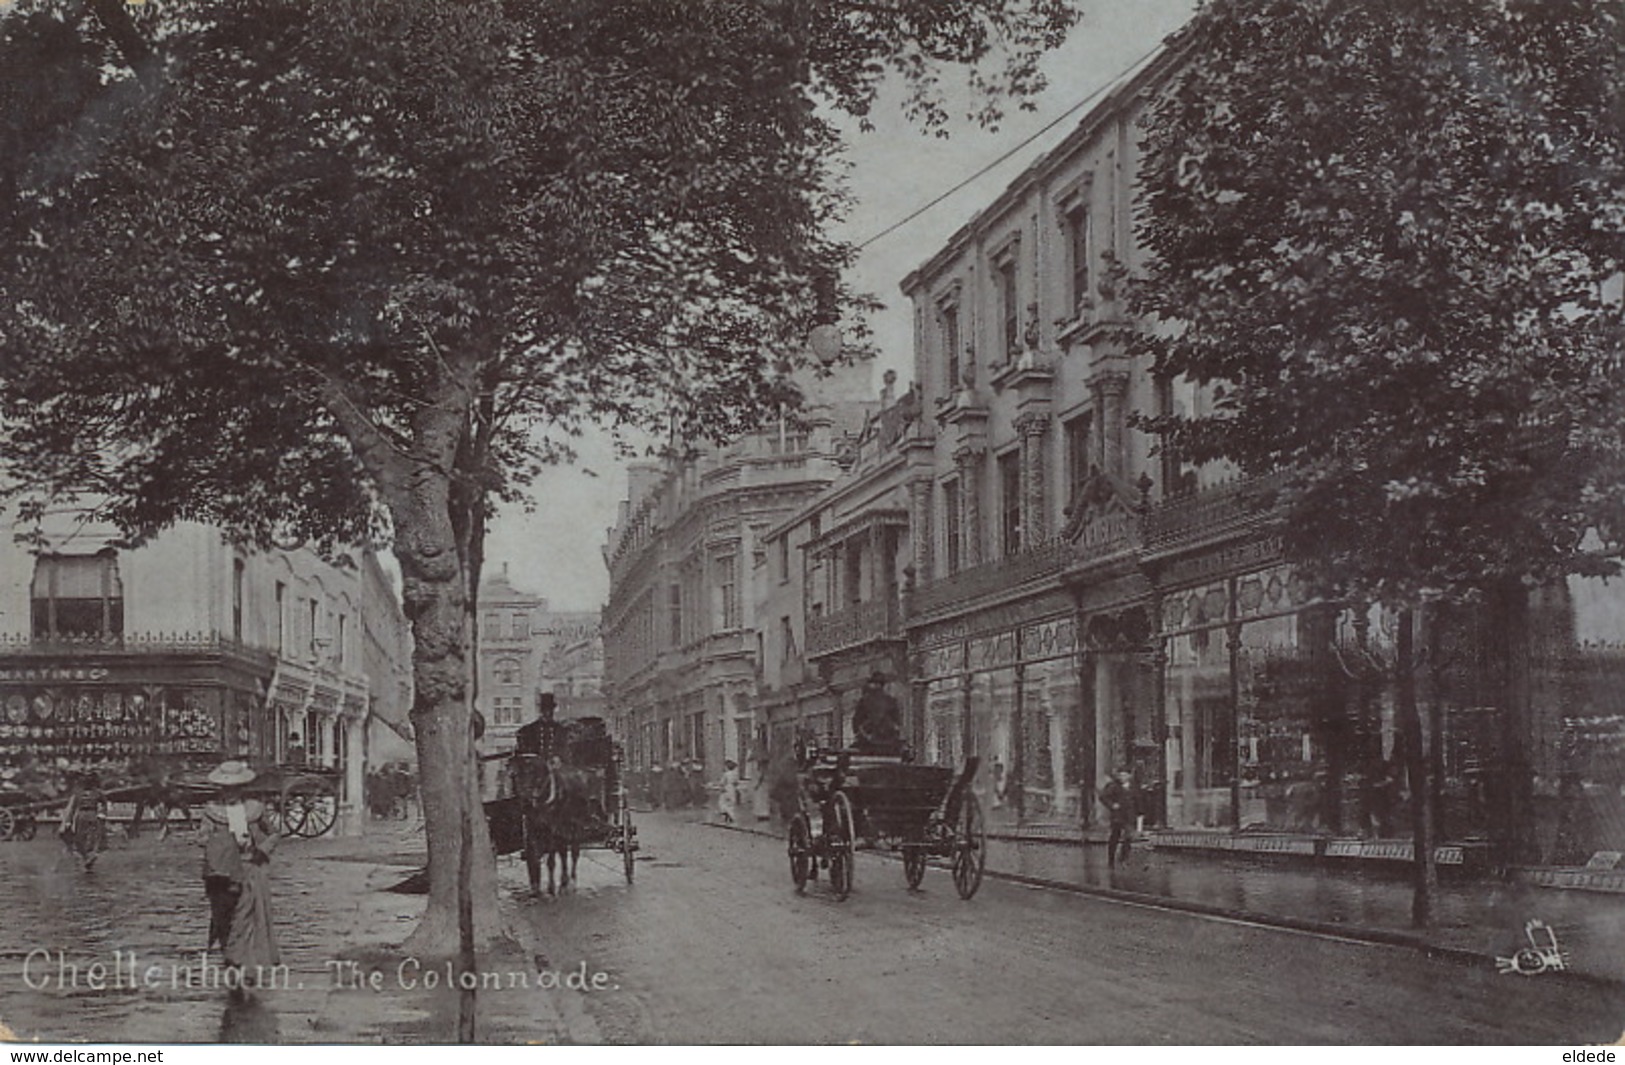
pixel 555 550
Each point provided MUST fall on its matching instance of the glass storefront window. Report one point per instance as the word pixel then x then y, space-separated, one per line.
pixel 1275 686
pixel 1049 699
pixel 992 709
pixel 1197 707
pixel 944 722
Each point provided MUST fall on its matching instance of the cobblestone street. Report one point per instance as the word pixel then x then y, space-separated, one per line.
pixel 711 944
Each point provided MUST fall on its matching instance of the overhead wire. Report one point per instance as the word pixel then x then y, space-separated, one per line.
pixel 1011 151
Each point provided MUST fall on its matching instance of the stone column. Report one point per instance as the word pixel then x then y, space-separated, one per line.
pixel 1034 428
pixel 969 462
pixel 877 563
pixel 1088 714
pixel 1159 712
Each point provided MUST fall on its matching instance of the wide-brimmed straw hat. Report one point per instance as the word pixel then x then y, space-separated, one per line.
pixel 231 774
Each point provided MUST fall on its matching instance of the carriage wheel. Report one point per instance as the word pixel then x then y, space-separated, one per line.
pixel 321 810
pixel 970 848
pixel 285 815
pixel 913 864
pixel 801 857
pixel 839 840
pixel 8 823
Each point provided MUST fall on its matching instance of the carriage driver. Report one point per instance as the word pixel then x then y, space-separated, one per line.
pixel 877 723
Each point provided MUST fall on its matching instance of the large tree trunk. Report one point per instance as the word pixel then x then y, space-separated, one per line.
pixel 438 542
pixel 1425 882
pixel 436 603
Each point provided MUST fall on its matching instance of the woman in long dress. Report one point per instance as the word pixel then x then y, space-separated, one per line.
pixel 728 801
pixel 237 856
pixel 81 827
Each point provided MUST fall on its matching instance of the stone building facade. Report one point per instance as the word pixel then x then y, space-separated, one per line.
pixel 829 587
pixel 681 627
pixel 1082 602
pixel 189 649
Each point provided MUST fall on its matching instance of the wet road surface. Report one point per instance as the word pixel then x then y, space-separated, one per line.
pixel 712 944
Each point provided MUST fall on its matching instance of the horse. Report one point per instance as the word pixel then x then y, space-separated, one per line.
pixel 556 801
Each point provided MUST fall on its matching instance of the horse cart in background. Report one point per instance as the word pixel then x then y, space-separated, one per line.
pixel 302 800
pixel 19 816
pixel 886 802
pixel 564 790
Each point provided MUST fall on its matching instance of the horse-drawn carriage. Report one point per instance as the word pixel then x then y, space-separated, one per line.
pixel 851 800
pixel 302 800
pixel 18 817
pixel 564 791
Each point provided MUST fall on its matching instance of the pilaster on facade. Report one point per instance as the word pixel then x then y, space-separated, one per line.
pixel 970 456
pixel 1110 389
pixel 1033 427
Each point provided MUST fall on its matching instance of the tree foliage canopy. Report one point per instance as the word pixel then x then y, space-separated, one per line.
pixel 265 261
pixel 1386 236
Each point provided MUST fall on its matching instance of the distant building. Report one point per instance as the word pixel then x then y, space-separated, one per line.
pixel 527 650
pixel 387 661
pixel 828 585
pixel 681 628
pixel 188 650
pixel 572 662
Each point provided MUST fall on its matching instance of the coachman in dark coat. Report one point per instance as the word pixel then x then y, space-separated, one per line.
pixel 877 723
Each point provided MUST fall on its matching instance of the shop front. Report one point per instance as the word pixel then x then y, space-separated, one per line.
pixel 1008 695
pixel 112 714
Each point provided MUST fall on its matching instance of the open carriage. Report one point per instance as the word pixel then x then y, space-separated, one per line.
pixel 302 800
pixel 584 746
pixel 851 800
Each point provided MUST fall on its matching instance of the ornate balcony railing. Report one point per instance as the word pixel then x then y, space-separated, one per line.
pixel 1212 512
pixel 127 643
pixel 864 623
pixel 1041 562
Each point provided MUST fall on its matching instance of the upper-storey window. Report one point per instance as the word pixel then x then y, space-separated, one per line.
pixel 1080 436
pixel 1009 305
pixel 1009 465
pixel 948 332
pixel 950 526
pixel 1080 254
pixel 727 590
pixel 77 595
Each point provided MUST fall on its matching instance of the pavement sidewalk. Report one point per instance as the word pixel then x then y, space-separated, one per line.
pixel 1476 921
pixel 363 929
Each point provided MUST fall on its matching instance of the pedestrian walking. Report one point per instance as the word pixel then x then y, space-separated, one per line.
pixel 728 800
pixel 236 855
pixel 1121 807
pixel 81 829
